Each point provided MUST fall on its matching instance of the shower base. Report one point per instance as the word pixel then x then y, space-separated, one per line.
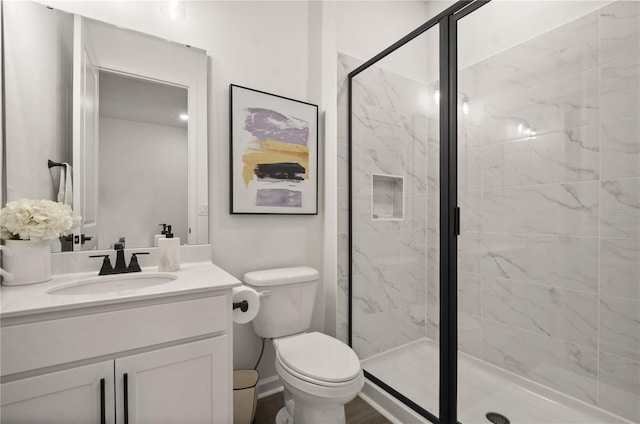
pixel 412 370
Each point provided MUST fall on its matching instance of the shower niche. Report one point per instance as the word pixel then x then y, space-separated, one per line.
pixel 387 197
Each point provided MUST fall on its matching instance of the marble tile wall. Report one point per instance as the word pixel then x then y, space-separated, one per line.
pixel 389 256
pixel 549 187
pixel 549 169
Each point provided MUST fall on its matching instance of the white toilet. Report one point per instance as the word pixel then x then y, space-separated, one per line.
pixel 319 373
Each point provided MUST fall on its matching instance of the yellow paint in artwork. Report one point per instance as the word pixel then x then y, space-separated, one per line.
pixel 273 151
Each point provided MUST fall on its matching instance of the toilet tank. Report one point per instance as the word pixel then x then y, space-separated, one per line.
pixel 286 300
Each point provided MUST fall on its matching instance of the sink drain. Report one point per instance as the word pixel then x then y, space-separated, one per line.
pixel 496 418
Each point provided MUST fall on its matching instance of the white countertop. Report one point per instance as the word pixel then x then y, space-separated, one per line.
pixel 196 277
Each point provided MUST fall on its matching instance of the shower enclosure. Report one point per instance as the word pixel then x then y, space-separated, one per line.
pixel 492 248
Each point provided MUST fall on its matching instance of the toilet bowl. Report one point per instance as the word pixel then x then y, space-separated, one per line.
pixel 320 374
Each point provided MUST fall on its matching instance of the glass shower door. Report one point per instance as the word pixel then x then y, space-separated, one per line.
pixel 549 189
pixel 394 222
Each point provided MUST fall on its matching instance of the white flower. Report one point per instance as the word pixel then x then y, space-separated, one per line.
pixel 30 219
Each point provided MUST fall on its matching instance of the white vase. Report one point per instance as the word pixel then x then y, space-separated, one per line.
pixel 26 261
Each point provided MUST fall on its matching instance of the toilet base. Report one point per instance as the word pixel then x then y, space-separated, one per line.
pixel 283 417
pixel 312 416
pixel 310 412
pixel 321 413
pixel 306 410
pixel 313 404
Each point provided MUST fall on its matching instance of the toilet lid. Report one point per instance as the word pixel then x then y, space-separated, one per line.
pixel 320 357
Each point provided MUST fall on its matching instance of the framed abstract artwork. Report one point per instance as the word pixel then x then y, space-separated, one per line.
pixel 274 154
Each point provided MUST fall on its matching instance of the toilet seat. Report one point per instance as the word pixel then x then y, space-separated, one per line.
pixel 307 379
pixel 338 392
pixel 318 359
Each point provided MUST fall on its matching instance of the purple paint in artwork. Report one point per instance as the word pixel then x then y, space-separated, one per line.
pixel 267 124
pixel 279 197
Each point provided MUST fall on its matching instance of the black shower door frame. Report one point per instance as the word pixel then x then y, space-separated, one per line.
pixel 449 210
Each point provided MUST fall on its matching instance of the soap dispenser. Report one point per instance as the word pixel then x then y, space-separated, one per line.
pixel 169 252
pixel 162 234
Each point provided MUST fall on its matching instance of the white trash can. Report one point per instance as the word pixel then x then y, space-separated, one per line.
pixel 245 396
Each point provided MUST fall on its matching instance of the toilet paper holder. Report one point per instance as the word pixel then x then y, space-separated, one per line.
pixel 244 305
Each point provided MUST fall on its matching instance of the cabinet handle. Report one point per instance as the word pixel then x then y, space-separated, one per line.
pixel 103 412
pixel 126 398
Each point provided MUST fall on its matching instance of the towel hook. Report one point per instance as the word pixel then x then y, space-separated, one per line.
pixel 51 164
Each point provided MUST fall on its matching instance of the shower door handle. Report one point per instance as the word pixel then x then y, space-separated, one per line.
pixel 456 221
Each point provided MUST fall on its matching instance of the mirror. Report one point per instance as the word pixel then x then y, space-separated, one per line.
pixel 128 113
pixel 141 118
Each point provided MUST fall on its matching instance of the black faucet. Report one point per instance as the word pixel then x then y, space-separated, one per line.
pixel 121 265
pixel 134 266
pixel 106 268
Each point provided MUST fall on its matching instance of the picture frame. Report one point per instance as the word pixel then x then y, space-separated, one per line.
pixel 273 154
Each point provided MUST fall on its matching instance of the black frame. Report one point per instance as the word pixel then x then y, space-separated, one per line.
pixel 317 147
pixel 449 210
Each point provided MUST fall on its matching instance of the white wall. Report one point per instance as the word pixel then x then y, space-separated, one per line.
pixel 365 28
pixel 280 47
pixel 271 46
pixel 136 195
pixel 38 95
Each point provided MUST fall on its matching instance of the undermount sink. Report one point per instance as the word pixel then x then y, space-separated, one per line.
pixel 112 283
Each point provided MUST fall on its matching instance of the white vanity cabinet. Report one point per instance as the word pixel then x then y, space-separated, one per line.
pixel 80 395
pixel 179 384
pixel 155 360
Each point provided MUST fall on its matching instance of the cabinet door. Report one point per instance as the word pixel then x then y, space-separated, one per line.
pixel 185 384
pixel 76 395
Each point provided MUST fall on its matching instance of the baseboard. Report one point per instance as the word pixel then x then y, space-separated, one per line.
pixel 388 406
pixel 268 386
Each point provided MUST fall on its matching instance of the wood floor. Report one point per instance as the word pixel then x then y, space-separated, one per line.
pixel 357 411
